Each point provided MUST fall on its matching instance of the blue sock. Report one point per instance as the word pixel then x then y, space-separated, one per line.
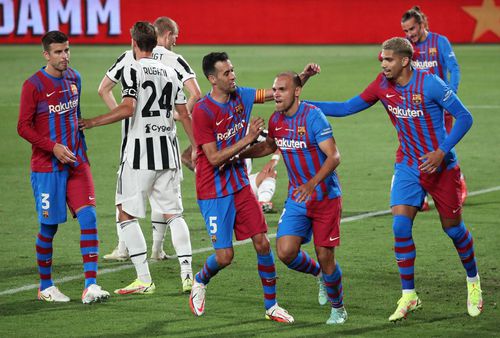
pixel 267 273
pixel 405 250
pixel 333 283
pixel 209 270
pixel 89 243
pixel 44 254
pixel 465 247
pixel 304 263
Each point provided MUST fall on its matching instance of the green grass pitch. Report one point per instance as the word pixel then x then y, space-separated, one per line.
pixel 234 307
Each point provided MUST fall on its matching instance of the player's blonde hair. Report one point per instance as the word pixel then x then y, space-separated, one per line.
pixel 165 24
pixel 400 46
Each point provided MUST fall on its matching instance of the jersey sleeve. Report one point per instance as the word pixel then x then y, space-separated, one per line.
pixel 114 73
pixel 370 94
pixel 341 109
pixel 27 110
pixel 130 82
pixel 185 71
pixel 449 58
pixel 248 95
pixel 202 125
pixel 444 96
pixel 180 97
pixel 322 130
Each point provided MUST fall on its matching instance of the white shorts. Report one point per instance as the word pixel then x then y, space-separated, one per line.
pixel 161 187
pixel 253 184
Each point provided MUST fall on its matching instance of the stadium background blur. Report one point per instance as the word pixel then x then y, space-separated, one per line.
pixel 344 38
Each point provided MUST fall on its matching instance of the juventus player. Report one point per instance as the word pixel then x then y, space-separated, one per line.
pixel 150 162
pixel 167 33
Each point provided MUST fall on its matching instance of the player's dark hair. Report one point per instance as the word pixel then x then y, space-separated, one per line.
pixel 400 46
pixel 209 61
pixel 416 13
pixel 294 76
pixel 144 34
pixel 53 37
pixel 165 24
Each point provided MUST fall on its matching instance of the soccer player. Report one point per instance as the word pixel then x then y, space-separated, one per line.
pixel 425 161
pixel 432 52
pixel 168 32
pixel 222 129
pixel 150 162
pixel 60 171
pixel 305 139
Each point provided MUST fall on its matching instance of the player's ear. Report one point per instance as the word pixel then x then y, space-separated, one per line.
pixel 298 90
pixel 46 55
pixel 405 61
pixel 211 79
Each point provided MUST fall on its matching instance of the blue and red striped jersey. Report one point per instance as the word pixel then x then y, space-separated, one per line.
pixel 436 55
pixel 416 111
pixel 225 124
pixel 48 114
pixel 298 138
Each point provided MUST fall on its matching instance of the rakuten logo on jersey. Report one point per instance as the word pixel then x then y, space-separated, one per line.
pixel 401 113
pixel 63 107
pixel 284 144
pixel 230 132
pixel 424 64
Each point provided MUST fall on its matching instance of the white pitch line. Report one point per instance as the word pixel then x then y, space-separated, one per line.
pixel 202 250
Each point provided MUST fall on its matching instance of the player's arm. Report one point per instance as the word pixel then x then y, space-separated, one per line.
pixel 447 99
pixel 105 91
pixel 260 149
pixel 219 157
pixel 451 61
pixel 342 109
pixel 329 148
pixel 124 110
pixel 310 69
pixel 194 91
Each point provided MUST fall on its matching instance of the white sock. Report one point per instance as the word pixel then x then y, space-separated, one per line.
pixel 122 248
pixel 266 189
pixel 473 279
pixel 181 242
pixel 159 228
pixel 132 234
pixel 405 291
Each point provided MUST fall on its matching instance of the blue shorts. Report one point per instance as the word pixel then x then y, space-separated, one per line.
pixel 49 190
pixel 239 212
pixel 406 188
pixel 321 218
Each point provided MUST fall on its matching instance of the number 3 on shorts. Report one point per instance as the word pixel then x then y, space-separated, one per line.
pixel 45 201
pixel 213 225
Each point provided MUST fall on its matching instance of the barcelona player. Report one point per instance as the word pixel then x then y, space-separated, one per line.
pixel 221 120
pixel 425 161
pixel 60 171
pixel 304 137
pixel 432 52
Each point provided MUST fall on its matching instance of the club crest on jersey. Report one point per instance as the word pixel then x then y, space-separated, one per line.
pixel 213 238
pixel 433 51
pixel 301 130
pixel 45 214
pixel 238 109
pixel 416 99
pixel 74 89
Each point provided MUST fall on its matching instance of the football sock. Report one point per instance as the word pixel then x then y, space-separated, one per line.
pixel 89 243
pixel 159 228
pixel 333 283
pixel 137 249
pixel 404 249
pixel 267 273
pixel 266 189
pixel 304 263
pixel 464 244
pixel 209 270
pixel 122 248
pixel 44 254
pixel 181 242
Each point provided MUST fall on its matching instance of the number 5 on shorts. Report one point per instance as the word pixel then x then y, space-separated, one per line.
pixel 212 224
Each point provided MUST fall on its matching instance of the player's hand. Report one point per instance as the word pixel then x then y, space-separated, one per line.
pixel 194 154
pixel 63 154
pixel 311 69
pixel 303 193
pixel 431 161
pixel 85 124
pixel 255 127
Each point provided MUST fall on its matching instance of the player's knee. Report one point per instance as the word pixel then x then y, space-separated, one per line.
pixel 224 257
pixel 401 226
pixel 287 253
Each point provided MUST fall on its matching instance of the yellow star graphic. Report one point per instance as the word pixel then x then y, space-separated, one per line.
pixel 487 18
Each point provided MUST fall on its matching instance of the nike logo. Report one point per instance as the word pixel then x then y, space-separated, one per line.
pixel 278 128
pixel 92 255
pixel 456 210
pixel 389 95
pixel 91 198
pixel 334 238
pixel 50 94
pixel 218 122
